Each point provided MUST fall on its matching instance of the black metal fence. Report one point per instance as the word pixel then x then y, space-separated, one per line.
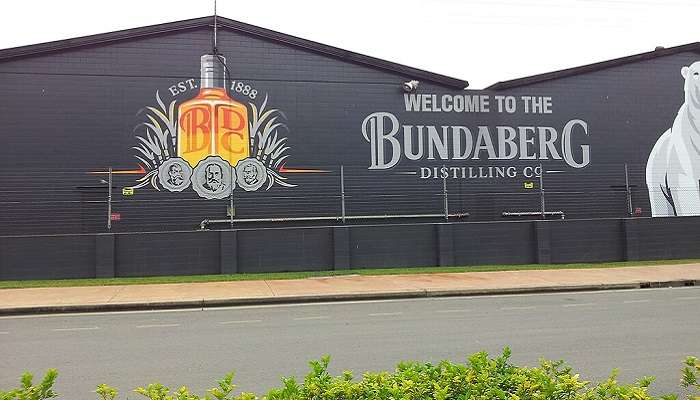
pixel 79 201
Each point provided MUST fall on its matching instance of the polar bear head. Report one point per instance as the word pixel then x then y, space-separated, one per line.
pixel 691 75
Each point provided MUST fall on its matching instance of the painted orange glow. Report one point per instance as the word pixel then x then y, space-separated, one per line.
pixel 139 171
pixel 284 169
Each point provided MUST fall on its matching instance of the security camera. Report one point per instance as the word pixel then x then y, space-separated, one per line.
pixel 410 86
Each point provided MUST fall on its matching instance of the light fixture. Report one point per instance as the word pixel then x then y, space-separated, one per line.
pixel 410 86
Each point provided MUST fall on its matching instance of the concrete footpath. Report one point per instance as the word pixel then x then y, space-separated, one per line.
pixel 337 288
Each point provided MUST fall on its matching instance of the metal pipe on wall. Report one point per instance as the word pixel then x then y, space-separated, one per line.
pixel 203 225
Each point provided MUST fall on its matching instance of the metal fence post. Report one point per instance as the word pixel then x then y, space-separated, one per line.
pixel 444 196
pixel 629 192
pixel 109 201
pixel 230 200
pixel 544 216
pixel 342 193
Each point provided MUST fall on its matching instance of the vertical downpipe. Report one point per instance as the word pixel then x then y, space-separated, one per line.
pixel 230 201
pixel 544 216
pixel 109 201
pixel 444 197
pixel 342 193
pixel 629 192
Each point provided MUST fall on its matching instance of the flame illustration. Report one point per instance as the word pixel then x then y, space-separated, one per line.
pixel 283 169
pixel 140 171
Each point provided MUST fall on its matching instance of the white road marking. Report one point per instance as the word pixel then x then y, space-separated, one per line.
pixel 245 321
pixel 636 301
pixel 158 326
pixel 688 298
pixel 518 308
pixel 384 314
pixel 84 328
pixel 578 305
pixel 311 318
pixel 4 333
pixel 464 310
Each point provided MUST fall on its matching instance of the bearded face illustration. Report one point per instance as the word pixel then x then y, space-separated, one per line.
pixel 250 174
pixel 175 175
pixel 213 175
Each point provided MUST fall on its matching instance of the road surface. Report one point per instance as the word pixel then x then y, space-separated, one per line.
pixel 642 332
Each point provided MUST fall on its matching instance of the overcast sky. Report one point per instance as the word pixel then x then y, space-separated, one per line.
pixel 482 41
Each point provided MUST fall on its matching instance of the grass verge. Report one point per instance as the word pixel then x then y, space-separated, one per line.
pixel 314 274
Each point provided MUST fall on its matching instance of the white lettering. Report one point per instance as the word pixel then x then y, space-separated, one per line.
pixel 373 129
pixel 566 144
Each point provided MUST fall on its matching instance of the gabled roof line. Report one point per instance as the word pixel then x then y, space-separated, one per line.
pixel 267 34
pixel 659 52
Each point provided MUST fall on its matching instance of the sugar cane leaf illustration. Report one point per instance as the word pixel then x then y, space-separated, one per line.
pixel 150 149
pixel 279 152
pixel 279 179
pixel 270 180
pixel 277 148
pixel 257 120
pixel 146 180
pixel 148 163
pixel 280 161
pixel 266 131
pixel 172 127
pixel 154 180
pixel 254 110
pixel 265 136
pixel 169 119
pixel 153 163
pixel 162 136
pixel 158 113
pixel 150 145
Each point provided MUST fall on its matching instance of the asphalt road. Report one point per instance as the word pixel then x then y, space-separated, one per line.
pixel 642 332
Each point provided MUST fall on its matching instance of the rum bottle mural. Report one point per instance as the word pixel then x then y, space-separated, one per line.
pixel 212 123
pixel 210 141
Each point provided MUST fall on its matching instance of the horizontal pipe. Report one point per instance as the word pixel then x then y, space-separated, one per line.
pixel 206 222
pixel 531 213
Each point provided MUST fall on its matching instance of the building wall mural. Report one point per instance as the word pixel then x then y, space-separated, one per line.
pixel 673 169
pixel 209 142
pixel 270 125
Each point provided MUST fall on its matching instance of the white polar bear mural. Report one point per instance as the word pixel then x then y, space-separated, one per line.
pixel 673 169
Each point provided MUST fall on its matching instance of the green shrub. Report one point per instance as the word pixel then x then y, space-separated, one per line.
pixel 156 391
pixel 480 378
pixel 690 380
pixel 28 391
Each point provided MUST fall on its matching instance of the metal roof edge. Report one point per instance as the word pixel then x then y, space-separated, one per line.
pixel 529 80
pixel 267 34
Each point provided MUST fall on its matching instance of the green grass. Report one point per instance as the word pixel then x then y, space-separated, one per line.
pixel 313 274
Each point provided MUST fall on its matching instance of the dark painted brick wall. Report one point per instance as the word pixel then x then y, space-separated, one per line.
pixel 393 246
pixel 176 253
pixel 269 250
pixel 663 238
pixel 47 257
pixel 359 246
pixel 484 243
pixel 586 241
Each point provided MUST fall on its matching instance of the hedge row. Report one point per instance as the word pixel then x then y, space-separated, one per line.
pixel 481 378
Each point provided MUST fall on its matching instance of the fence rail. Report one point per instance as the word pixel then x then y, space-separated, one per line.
pixel 79 201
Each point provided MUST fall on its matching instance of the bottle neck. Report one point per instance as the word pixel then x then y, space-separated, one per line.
pixel 213 72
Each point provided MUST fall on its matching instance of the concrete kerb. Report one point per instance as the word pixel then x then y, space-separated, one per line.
pixel 318 298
